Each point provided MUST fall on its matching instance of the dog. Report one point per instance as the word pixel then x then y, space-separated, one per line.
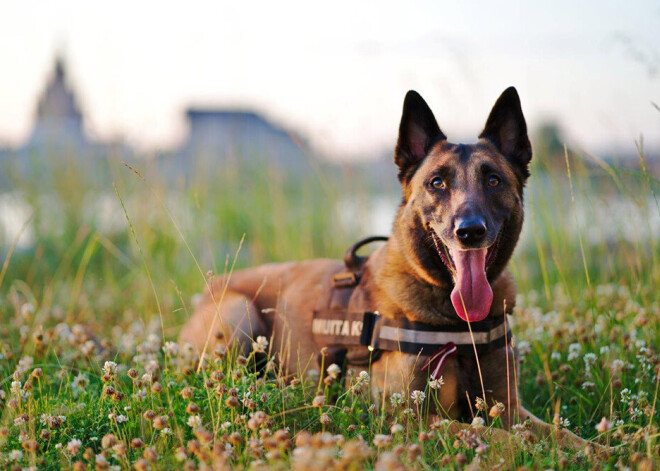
pixel 458 222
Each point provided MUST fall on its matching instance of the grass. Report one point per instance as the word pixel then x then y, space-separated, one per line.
pixel 92 378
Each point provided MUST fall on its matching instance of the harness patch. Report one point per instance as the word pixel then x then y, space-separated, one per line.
pixel 337 327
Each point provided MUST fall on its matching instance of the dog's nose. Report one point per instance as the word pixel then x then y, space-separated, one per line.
pixel 471 231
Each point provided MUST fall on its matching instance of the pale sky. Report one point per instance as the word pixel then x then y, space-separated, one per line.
pixel 337 71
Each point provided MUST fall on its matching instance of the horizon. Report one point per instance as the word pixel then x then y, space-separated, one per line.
pixel 339 82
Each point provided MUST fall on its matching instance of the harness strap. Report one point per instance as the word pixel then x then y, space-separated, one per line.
pixel 342 328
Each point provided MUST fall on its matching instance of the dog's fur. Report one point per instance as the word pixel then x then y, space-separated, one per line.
pixel 411 275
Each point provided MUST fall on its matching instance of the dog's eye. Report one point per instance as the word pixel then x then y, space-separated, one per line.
pixel 493 180
pixel 438 183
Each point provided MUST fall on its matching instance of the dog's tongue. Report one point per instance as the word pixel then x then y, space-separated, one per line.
pixel 472 294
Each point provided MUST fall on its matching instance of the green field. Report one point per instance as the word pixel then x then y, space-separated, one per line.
pixel 91 306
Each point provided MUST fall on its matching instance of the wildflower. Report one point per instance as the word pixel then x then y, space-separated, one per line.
pixel 260 345
pixel 171 349
pixel 481 449
pixel 381 440
pixel 478 422
pixel 496 410
pixel 396 399
pixel 480 404
pixel 603 426
pixel 121 419
pixel 417 397
pixel 160 423
pixel 625 395
pixel 73 446
pixel 574 351
pixel 80 382
pixel 318 401
pixel 561 422
pixel 437 383
pixel 15 455
pixel 325 419
pixel 110 367
pixel 396 428
pixel 194 422
pixel 180 455
pixel 20 420
pixel 333 370
pixel 524 348
pixel 101 462
pixel 617 365
pixel 604 350
pixel 555 356
pixel 108 441
pixel 589 360
pixel 363 377
pixel 588 385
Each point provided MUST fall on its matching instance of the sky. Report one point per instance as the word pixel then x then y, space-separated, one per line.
pixel 336 72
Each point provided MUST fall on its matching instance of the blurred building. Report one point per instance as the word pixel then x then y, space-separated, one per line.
pixel 223 134
pixel 58 119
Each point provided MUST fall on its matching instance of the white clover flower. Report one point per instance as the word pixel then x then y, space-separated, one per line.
pixel 20 421
pixel 74 446
pixel 15 388
pixel 574 351
pixel 27 309
pixel 604 350
pixel 396 399
pixel 524 348
pixel 110 367
pixel 121 419
pixel 180 455
pixel 15 455
pixel 80 382
pixel 588 385
pixel 166 431
pixel 194 422
pixel 363 377
pixel 603 426
pixel 333 370
pixel 152 367
pixel 589 360
pixel 437 383
pixel 396 428
pixel 555 356
pixel 381 440
pixel 617 365
pixel 225 426
pixel 417 397
pixel 478 422
pixel 260 345
pixel 171 349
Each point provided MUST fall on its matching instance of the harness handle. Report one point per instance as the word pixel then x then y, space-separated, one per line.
pixel 352 260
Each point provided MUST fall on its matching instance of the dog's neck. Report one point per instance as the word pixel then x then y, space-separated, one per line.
pixel 421 297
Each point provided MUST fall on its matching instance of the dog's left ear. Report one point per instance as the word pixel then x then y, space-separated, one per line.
pixel 418 132
pixel 506 128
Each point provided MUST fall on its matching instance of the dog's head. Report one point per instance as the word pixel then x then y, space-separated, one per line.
pixel 462 207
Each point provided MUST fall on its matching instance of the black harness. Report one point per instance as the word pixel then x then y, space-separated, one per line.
pixel 344 324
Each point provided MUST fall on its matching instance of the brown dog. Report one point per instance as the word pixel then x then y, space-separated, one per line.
pixel 455 230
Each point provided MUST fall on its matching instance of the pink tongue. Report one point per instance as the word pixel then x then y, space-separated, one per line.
pixel 472 295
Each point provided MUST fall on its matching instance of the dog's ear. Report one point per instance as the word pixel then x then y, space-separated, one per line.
pixel 418 132
pixel 506 128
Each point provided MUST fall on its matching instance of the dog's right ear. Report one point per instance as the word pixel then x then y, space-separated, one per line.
pixel 418 132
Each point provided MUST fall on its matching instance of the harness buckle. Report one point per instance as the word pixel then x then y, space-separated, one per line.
pixel 345 280
pixel 367 337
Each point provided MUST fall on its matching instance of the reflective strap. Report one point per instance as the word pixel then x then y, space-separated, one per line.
pixel 399 334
